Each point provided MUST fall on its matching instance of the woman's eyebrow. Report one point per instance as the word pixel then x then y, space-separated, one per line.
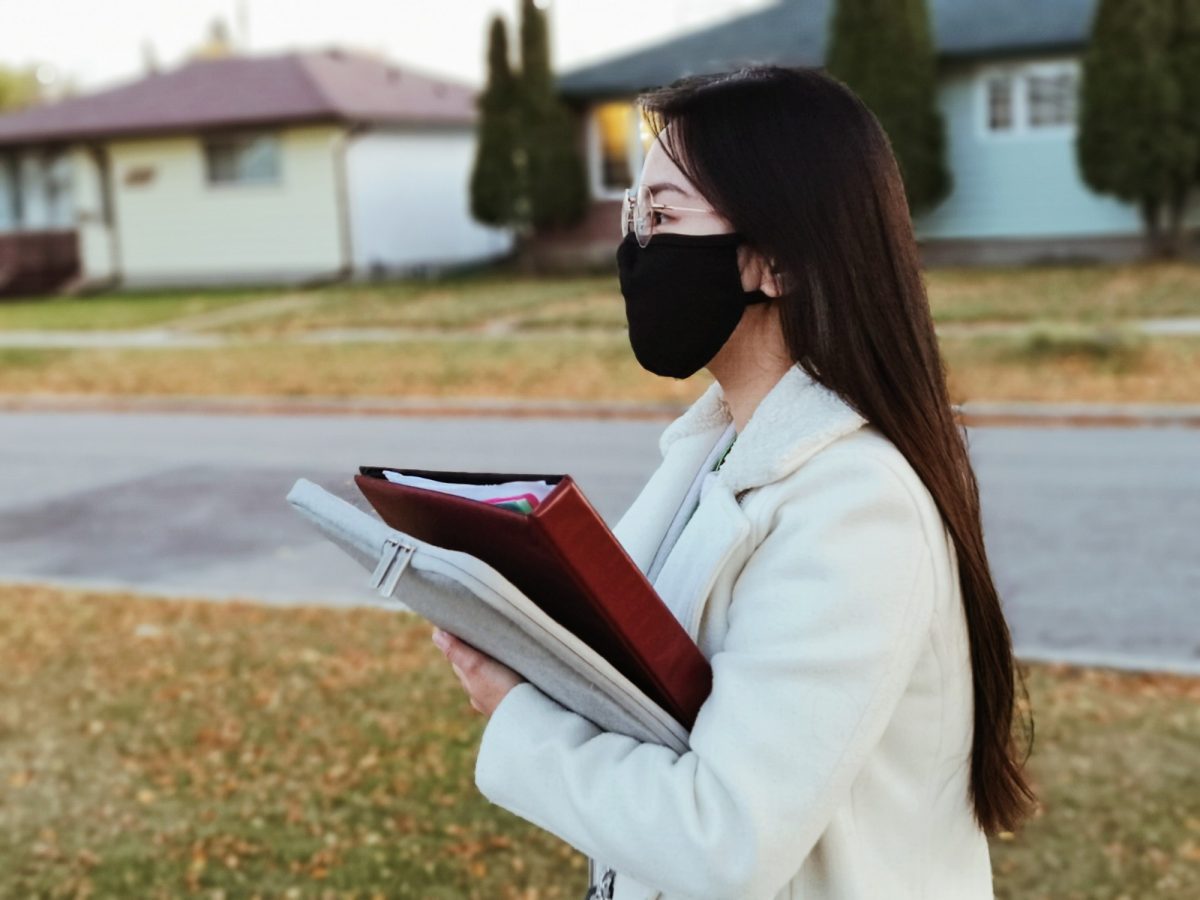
pixel 664 187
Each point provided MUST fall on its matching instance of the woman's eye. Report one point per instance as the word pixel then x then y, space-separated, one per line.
pixel 660 218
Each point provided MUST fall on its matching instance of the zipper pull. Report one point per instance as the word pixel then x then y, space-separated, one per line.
pixel 388 570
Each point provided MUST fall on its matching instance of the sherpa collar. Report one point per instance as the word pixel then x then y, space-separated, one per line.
pixel 795 419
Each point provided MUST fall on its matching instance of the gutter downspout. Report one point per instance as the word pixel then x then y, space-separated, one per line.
pixel 108 210
pixel 86 282
pixel 341 147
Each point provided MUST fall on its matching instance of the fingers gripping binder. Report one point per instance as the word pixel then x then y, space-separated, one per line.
pixel 466 596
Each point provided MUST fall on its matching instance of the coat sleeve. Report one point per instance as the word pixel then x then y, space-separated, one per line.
pixel 826 621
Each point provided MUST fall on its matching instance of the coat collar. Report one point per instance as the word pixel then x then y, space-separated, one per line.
pixel 795 419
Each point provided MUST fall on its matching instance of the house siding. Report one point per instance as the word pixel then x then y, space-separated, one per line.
pixel 97 244
pixel 176 227
pixel 1015 186
pixel 409 197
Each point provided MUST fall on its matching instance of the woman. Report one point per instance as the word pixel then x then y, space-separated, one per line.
pixel 814 524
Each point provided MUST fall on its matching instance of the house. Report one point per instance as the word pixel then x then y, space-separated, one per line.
pixel 284 168
pixel 1009 73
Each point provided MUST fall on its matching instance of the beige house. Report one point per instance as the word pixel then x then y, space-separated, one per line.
pixel 284 168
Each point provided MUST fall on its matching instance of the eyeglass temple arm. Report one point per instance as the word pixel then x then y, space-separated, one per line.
pixel 633 205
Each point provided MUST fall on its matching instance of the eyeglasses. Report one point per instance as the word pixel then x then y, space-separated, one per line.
pixel 637 213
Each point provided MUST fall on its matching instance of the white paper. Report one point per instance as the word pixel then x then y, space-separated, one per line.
pixel 539 489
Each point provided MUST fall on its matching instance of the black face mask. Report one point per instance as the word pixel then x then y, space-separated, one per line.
pixel 683 298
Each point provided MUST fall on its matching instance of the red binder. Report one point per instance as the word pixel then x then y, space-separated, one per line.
pixel 565 559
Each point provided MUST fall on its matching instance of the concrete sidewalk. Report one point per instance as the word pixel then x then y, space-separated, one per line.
pixel 167 338
pixel 183 333
pixel 971 413
pixel 1180 326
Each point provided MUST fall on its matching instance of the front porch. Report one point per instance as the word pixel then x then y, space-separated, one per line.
pixel 38 262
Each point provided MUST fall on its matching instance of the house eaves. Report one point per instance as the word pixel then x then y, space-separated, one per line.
pixel 795 33
pixel 292 88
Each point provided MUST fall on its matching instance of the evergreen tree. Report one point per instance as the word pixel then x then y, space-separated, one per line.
pixel 555 180
pixel 1186 56
pixel 1139 122
pixel 18 88
pixel 883 51
pixel 494 188
pixel 218 41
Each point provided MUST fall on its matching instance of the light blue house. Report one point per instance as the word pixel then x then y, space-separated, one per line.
pixel 1009 79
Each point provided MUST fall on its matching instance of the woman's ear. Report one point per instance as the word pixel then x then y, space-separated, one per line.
pixel 759 273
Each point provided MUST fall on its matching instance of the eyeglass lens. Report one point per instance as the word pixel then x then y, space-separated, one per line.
pixel 638 207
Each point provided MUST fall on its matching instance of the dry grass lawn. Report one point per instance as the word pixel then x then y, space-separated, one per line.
pixel 164 748
pixel 483 298
pixel 1061 367
pixel 495 333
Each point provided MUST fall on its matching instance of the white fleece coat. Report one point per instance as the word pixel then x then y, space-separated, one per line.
pixel 831 760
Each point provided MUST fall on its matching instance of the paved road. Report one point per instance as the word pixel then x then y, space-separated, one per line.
pixel 1091 531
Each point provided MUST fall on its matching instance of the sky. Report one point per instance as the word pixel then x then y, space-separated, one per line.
pixel 95 44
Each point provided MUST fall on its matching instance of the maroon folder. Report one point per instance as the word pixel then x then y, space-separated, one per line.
pixel 565 559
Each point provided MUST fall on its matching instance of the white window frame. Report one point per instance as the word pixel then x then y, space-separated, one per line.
pixel 1013 81
pixel 216 138
pixel 58 189
pixel 637 156
pixel 1019 73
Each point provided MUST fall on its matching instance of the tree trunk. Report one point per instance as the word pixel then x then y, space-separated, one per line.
pixel 526 252
pixel 1152 243
pixel 1175 213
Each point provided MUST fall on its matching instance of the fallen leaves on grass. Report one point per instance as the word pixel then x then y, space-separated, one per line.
pixel 162 747
pixel 159 748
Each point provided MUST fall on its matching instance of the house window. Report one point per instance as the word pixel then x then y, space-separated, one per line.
pixel 242 159
pixel 1051 99
pixel 10 194
pixel 614 127
pixel 1000 103
pixel 56 181
pixel 618 138
pixel 1030 98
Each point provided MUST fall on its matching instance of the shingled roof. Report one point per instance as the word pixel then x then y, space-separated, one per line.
pixel 300 86
pixel 795 32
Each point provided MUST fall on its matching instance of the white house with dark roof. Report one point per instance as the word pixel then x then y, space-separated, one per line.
pixel 292 167
pixel 1009 77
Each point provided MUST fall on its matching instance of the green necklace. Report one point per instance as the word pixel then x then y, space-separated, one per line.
pixel 725 454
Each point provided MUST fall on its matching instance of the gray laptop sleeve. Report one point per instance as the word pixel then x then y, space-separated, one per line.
pixel 465 596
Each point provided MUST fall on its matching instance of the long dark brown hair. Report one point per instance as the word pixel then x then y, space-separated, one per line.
pixel 794 160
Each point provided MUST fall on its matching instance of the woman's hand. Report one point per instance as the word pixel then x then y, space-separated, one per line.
pixel 485 680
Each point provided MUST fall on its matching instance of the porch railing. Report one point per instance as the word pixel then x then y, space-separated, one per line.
pixel 37 262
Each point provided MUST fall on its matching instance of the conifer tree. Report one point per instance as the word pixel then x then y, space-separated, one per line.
pixel 18 88
pixel 494 186
pixel 1139 121
pixel 883 51
pixel 555 179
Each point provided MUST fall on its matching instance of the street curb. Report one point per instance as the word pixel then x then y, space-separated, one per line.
pixel 1108 659
pixel 970 413
pixel 409 406
pixel 1095 415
